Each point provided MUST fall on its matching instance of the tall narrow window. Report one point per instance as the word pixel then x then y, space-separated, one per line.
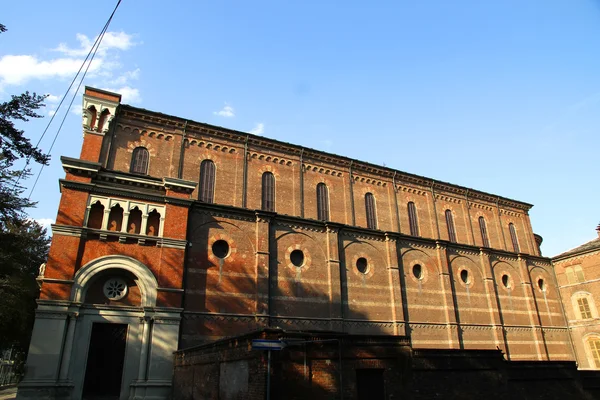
pixel 102 120
pixel 412 219
pixel 153 224
pixel 513 237
pixel 595 348
pixel 92 114
pixel 207 182
pixel 570 275
pixel 484 235
pixel 134 222
pixel 268 192
pixel 370 209
pixel 322 202
pixel 96 216
pixel 115 218
pixel 139 161
pixel 584 308
pixel 450 225
pixel 579 273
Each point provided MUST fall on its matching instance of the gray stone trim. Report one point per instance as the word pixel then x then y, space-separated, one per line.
pixel 179 184
pixel 75 164
pixel 171 290
pixel 52 280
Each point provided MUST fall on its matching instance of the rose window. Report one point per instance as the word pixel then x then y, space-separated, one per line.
pixel 115 289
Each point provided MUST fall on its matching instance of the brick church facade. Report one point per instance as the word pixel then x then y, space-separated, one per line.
pixel 172 233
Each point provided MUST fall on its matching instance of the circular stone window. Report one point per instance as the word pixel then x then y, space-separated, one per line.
pixel 541 284
pixel 362 265
pixel 297 258
pixel 506 281
pixel 417 271
pixel 220 248
pixel 115 289
pixel 464 276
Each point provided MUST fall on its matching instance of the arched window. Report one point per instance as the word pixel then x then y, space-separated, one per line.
pixel 483 230
pixel 207 182
pixel 96 216
pixel 115 218
pixel 412 219
pixel 153 223
pixel 92 115
pixel 134 223
pixel 370 210
pixel 594 345
pixel 322 202
pixel 513 237
pixel 102 120
pixel 268 191
pixel 579 273
pixel 450 225
pixel 139 161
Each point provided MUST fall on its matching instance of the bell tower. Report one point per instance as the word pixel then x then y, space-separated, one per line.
pixel 99 109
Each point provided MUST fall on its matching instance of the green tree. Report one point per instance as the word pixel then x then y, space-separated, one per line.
pixel 23 242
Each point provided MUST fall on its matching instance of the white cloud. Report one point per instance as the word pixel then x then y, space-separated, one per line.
pixel 51 113
pixel 50 98
pixel 259 129
pixel 128 94
pixel 226 112
pixel 16 70
pixel 76 109
pixel 126 77
pixel 111 40
pixel 105 68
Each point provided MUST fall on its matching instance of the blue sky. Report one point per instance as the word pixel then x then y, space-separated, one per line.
pixel 500 96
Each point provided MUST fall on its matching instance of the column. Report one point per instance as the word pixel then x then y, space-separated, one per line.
pixel 335 283
pixel 452 317
pixel 496 317
pixel 145 346
pixel 263 284
pixel 391 245
pixel 532 309
pixel 68 347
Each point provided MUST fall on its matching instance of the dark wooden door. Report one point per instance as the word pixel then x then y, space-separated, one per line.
pixel 369 384
pixel 106 355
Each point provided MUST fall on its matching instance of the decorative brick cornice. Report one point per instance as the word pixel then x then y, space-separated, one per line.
pixel 402 178
pixel 321 170
pixel 269 158
pixel 210 145
pixel 150 133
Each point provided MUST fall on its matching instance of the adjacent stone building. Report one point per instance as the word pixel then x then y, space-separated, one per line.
pixel 578 274
pixel 172 233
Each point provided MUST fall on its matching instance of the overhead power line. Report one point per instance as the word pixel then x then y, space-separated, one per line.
pixel 91 54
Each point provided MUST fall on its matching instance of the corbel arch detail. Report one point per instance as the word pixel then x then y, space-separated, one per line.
pixel 145 278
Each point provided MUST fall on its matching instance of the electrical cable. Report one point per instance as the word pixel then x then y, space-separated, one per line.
pixel 93 52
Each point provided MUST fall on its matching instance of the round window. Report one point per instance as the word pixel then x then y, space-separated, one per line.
pixel 362 265
pixel 417 271
pixel 506 281
pixel 542 285
pixel 464 276
pixel 220 248
pixel 115 289
pixel 297 258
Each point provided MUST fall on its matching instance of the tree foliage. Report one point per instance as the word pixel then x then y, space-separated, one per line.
pixel 23 242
